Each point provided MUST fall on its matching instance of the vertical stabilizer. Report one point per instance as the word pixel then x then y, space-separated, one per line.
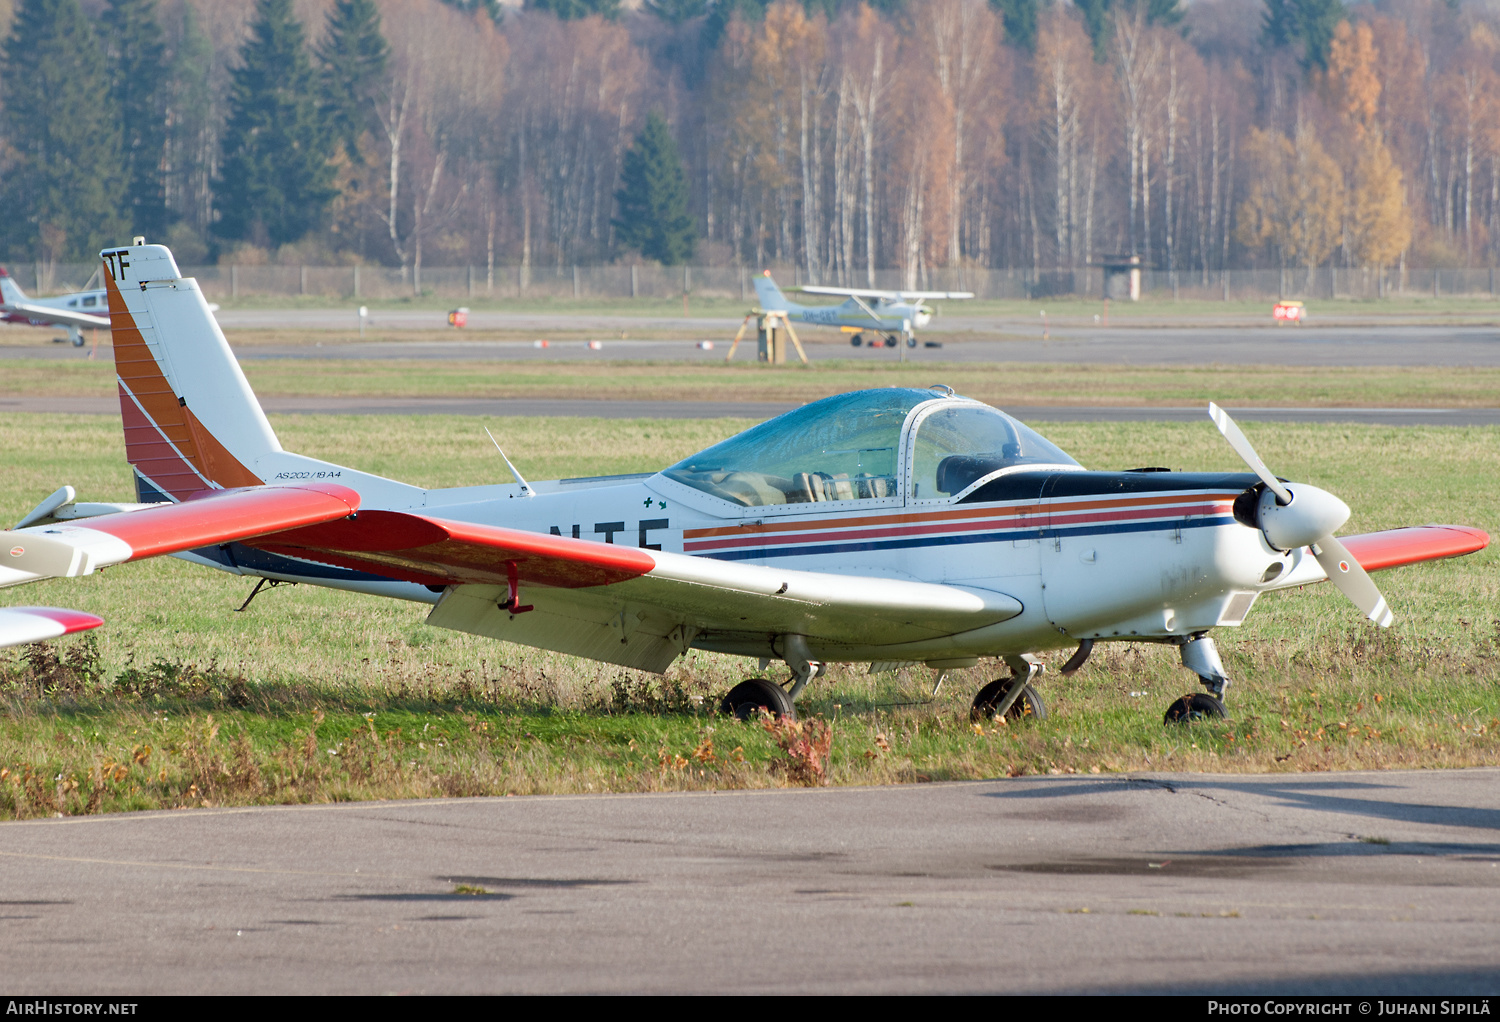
pixel 769 295
pixel 191 420
pixel 10 291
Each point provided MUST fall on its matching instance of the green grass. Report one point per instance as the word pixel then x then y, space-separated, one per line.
pixel 1000 384
pixel 313 695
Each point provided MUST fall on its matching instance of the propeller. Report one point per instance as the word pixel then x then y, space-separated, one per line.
pixel 1306 516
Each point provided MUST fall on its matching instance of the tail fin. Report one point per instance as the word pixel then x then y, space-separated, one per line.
pixel 10 291
pixel 191 421
pixel 769 294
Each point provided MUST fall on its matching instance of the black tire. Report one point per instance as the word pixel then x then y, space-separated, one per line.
pixel 857 340
pixel 749 697
pixel 1028 704
pixel 911 342
pixel 1198 706
pixel 891 342
pixel 78 341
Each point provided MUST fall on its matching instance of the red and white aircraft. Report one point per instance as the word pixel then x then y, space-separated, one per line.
pixel 887 526
pixel 74 311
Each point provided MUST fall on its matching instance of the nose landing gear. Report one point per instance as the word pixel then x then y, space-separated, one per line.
pixel 1201 656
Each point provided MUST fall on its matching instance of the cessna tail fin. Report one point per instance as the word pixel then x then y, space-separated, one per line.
pixel 191 421
pixel 10 291
pixel 769 294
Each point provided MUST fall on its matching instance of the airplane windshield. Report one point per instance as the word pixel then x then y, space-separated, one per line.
pixel 958 445
pixel 839 448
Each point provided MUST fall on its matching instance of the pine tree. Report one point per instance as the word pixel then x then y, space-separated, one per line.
pixel 352 59
pixel 140 87
pixel 490 7
pixel 653 198
pixel 568 10
pixel 274 186
pixel 1096 16
pixel 677 11
pixel 1309 24
pixel 1019 18
pixel 65 189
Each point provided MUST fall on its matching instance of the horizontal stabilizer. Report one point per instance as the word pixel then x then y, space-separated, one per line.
pixel 67 550
pixel 36 624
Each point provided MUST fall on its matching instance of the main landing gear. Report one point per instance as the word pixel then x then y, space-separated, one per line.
pixel 1201 656
pixel 1013 698
pixel 747 699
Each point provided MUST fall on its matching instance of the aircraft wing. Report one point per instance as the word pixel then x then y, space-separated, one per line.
pixel 892 296
pixel 53 316
pixel 34 624
pixel 1393 548
pixel 628 605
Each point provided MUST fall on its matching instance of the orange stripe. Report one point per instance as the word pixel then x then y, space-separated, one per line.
pixel 1019 511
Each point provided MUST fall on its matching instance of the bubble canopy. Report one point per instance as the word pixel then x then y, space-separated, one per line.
pixel 848 447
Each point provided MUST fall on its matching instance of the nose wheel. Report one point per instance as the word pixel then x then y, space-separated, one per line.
pixel 1201 656
pixel 1198 706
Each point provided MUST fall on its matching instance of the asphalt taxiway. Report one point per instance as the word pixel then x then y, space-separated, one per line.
pixel 1366 345
pixel 1358 883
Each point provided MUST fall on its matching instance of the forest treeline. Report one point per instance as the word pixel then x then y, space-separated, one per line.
pixel 836 136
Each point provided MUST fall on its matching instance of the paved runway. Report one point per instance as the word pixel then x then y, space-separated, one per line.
pixel 1359 883
pixel 766 409
pixel 1310 346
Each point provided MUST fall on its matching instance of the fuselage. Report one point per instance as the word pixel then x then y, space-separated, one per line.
pixel 1090 555
pixel 880 315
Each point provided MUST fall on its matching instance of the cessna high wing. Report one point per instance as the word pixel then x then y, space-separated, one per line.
pixel 74 311
pixel 896 314
pixel 882 526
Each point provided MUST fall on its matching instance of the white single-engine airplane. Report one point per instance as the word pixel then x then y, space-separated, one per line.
pixel 74 312
pixel 894 525
pixel 896 314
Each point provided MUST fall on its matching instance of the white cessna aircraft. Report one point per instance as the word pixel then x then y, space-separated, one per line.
pixel 74 311
pixel 896 314
pixel 892 525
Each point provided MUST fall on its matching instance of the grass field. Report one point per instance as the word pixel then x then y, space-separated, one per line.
pixel 312 695
pixel 999 384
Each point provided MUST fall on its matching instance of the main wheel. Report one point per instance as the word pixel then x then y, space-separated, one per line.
pixel 891 342
pixel 1027 705
pixel 857 340
pixel 749 697
pixel 1198 706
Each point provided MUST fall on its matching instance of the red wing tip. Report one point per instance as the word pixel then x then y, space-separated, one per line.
pixel 1479 536
pixel 71 620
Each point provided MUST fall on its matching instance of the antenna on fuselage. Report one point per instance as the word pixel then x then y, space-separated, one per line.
pixel 525 487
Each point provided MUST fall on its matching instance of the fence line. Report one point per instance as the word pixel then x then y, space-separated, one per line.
pixel 650 281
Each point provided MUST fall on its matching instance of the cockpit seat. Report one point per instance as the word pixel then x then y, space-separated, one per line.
pixel 957 472
pixel 818 486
